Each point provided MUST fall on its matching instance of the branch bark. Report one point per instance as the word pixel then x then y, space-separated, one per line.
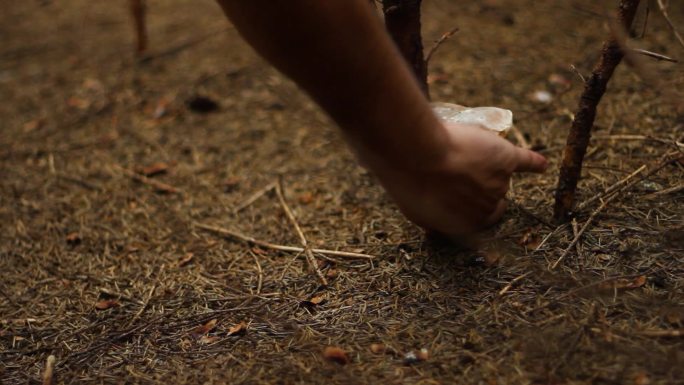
pixel 580 131
pixel 137 8
pixel 402 19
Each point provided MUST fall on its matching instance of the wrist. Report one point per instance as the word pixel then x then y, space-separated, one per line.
pixel 408 139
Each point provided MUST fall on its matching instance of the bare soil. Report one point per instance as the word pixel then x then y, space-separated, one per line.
pixel 112 274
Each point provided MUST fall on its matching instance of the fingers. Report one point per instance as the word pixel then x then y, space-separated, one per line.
pixel 530 161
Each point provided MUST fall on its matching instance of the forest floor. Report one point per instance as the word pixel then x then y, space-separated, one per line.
pixel 122 280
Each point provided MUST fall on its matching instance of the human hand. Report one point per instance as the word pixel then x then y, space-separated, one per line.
pixel 463 191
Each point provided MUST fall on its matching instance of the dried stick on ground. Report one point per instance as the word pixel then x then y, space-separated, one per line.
pixel 402 18
pixel 307 250
pixel 267 245
pixel 580 132
pixel 138 13
pixel 663 10
pixel 158 186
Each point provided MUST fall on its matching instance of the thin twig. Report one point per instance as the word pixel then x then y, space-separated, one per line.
pixel 307 250
pixel 582 230
pixel 267 245
pixel 668 159
pixel 158 186
pixel 254 197
pixel 663 10
pixel 655 55
pixel 611 189
pixel 445 36
pixel 510 284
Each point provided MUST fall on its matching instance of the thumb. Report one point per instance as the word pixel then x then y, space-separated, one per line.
pixel 530 161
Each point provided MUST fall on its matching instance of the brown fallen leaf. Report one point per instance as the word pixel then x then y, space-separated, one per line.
pixel 73 238
pixel 204 329
pixel 314 301
pixel 207 340
pixel 107 304
pixel 186 259
pixel 335 354
pixel 530 238
pixel 33 125
pixel 238 329
pixel 230 184
pixel 79 103
pixel 641 378
pixel 154 169
pixel 306 198
pixel 378 348
pixel 331 274
pixel 624 283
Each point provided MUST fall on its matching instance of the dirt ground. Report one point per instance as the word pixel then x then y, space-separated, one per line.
pixel 118 277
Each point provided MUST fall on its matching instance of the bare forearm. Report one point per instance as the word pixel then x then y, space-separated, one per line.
pixel 338 51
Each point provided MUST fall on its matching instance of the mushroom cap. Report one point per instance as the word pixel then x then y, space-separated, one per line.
pixel 496 119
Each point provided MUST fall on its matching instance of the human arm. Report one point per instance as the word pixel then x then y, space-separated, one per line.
pixel 450 180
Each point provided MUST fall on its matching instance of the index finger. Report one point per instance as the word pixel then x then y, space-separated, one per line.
pixel 530 161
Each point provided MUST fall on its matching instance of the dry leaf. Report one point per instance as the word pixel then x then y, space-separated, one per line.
pixel 306 198
pixel 641 379
pixel 240 328
pixel 206 340
pixel 204 329
pixel 530 238
pixel 559 81
pixel 107 304
pixel 186 259
pixel 259 251
pixel 73 238
pixel 33 125
pixel 230 184
pixel 79 103
pixel 315 301
pixel 154 169
pixel 377 348
pixel 331 274
pixel 335 354
pixel 624 283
